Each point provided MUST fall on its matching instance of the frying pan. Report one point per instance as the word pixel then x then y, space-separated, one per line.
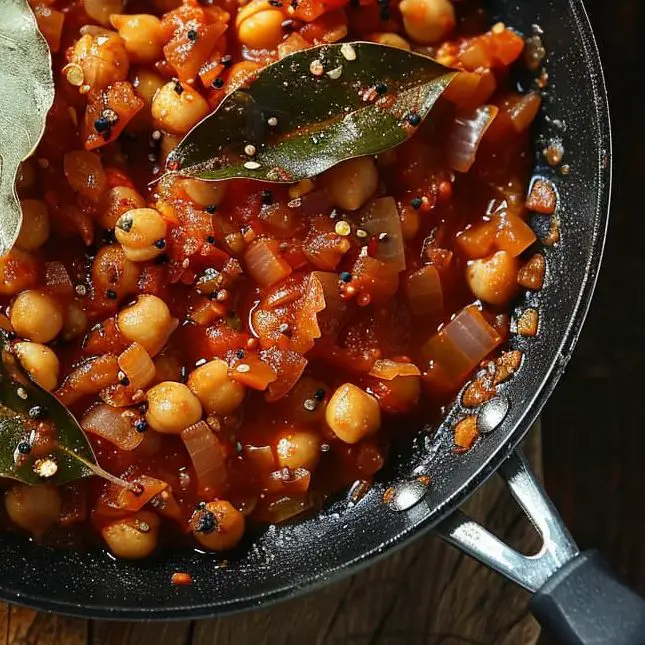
pixel 574 593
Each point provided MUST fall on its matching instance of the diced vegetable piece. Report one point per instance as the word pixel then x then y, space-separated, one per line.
pixel 309 10
pixel 387 369
pixel 265 264
pixel 110 424
pixel 513 235
pixel 283 508
pixel 208 457
pixel 149 488
pixel 542 198
pixel 137 366
pixel 460 346
pixel 289 482
pixel 381 220
pixel 50 22
pixel 253 372
pixel 90 377
pixel 288 366
pixel 465 136
pixel 527 324
pixel 477 240
pixel 531 275
pixel 466 433
pixel 424 291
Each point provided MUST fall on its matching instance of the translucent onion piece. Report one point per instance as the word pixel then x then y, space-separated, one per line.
pixel 58 281
pixel 108 423
pixel 424 292
pixel 461 345
pixel 283 509
pixel 332 317
pixel 89 377
pixel 381 219
pixel 289 367
pixel 135 501
pixel 388 370
pixel 265 264
pixel 137 366
pixel 253 372
pixel 288 481
pixel 208 457
pixel 465 136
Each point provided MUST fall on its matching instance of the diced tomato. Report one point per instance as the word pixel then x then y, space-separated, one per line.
pixel 50 22
pixel 513 234
pixel 309 10
pixel 328 28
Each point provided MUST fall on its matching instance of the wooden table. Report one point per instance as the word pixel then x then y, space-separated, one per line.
pixel 427 593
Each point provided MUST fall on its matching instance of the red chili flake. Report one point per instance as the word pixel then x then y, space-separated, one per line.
pixel 181 578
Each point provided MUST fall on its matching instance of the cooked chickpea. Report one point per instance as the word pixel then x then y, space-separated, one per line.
pixel 262 30
pixel 119 200
pixel 177 112
pixel 75 323
pixel 33 508
pixel 172 407
pixel 352 413
pixel 34 230
pixel 298 449
pixel 142 36
pixel 141 232
pixel 112 271
pixel 351 183
pixel 102 57
pixel 36 316
pixel 493 279
pixel 18 271
pixel 391 39
pixel 219 526
pixel 134 537
pixel 101 10
pixel 147 322
pixel 427 21
pixel 204 193
pixel 40 362
pixel 218 393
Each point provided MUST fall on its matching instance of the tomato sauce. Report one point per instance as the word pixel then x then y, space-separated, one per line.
pixel 295 293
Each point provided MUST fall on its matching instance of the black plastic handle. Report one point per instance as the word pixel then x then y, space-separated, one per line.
pixel 584 603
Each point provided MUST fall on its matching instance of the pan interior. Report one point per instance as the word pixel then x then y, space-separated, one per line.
pixel 291 558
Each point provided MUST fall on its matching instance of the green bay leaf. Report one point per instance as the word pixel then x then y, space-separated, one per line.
pixel 291 123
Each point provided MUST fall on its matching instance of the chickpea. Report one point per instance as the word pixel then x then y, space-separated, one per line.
pixel 351 183
pixel 36 316
pixel 219 526
pixel 33 508
pixel 204 193
pixel 177 112
pixel 119 200
pixel 298 449
pixel 134 537
pixel 391 39
pixel 112 271
pixel 427 21
pixel 142 36
pixel 262 30
pixel 352 413
pixel 18 271
pixel 76 321
pixel 147 322
pixel 40 362
pixel 141 232
pixel 101 10
pixel 172 407
pixel 218 393
pixel 102 57
pixel 34 230
pixel 493 279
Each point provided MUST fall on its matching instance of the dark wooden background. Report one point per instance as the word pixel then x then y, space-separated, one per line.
pixel 593 454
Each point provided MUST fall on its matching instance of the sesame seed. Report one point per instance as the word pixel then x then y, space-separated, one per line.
pixel 316 67
pixel 243 368
pixel 185 264
pixel 342 228
pixel 335 73
pixel 251 165
pixel 348 52
pixel 156 135
pixel 272 121
pixel 22 393
pixel 310 404
pixel 45 468
pixel 383 237
pixel 110 116
pixel 200 362
pixel 361 232
pixel 80 289
pixel 249 150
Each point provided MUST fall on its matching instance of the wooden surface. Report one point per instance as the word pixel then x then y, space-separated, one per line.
pixel 425 594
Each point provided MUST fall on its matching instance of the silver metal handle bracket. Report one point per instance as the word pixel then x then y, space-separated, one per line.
pixel 528 571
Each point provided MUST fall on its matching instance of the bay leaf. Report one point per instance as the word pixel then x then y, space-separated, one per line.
pixel 27 95
pixel 28 414
pixel 311 110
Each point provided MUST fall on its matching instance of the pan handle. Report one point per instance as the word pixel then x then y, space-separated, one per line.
pixel 576 596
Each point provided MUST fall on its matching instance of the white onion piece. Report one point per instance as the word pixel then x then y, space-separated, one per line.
pixel 208 457
pixel 265 264
pixel 137 365
pixel 387 370
pixel 108 423
pixel 424 292
pixel 465 136
pixel 381 220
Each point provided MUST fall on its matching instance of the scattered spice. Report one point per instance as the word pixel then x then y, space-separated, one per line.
pixel 466 433
pixel 46 467
pixel 251 165
pixel 527 324
pixel 342 228
pixel 316 67
pixel 250 150
pixel 335 73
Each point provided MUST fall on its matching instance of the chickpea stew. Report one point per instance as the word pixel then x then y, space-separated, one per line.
pixel 242 350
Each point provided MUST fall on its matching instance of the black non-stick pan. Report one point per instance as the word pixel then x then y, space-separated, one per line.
pixel 574 594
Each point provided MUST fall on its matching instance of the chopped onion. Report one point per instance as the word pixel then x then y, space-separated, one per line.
pixel 291 482
pixel 461 345
pixel 149 488
pixel 109 423
pixel 425 295
pixel 89 377
pixel 58 281
pixel 264 263
pixel 137 366
pixel 332 317
pixel 513 235
pixel 381 220
pixel 465 136
pixel 252 372
pixel 208 457
pixel 283 509
pixel 261 457
pixel 388 370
